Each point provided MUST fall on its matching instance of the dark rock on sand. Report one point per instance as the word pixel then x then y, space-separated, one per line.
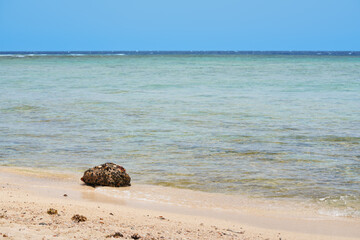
pixel 52 211
pixel 107 174
pixel 135 236
pixel 115 235
pixel 78 218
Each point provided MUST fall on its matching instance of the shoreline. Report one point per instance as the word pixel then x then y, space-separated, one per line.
pixel 21 190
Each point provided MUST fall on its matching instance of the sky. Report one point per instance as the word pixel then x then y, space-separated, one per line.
pixel 105 25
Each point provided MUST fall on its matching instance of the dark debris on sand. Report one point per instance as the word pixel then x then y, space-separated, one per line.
pixel 78 218
pixel 52 211
pixel 135 236
pixel 115 235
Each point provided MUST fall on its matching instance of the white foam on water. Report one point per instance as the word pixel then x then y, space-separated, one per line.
pixel 23 55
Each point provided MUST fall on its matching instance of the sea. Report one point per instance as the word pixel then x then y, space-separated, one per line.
pixel 266 125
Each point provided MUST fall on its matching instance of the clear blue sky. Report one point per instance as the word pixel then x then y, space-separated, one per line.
pixel 29 25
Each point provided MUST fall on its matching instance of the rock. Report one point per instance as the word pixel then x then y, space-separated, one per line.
pixel 79 218
pixel 115 235
pixel 52 211
pixel 107 174
pixel 135 236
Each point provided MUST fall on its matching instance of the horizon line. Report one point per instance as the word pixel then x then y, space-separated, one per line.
pixel 187 52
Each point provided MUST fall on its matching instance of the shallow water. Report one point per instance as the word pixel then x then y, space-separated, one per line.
pixel 262 126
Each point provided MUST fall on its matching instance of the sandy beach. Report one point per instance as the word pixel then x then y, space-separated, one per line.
pixel 26 197
pixel 181 120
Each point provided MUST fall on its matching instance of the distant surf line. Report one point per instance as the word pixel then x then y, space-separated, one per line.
pixel 122 53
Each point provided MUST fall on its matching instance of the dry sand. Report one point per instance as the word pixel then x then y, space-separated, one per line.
pixel 25 198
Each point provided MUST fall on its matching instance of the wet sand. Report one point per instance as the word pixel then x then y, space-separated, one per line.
pixel 168 213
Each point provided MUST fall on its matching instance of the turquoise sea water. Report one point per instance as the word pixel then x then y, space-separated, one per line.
pixel 269 126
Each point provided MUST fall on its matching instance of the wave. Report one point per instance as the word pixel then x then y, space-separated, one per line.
pixel 22 55
pixel 13 55
pixel 58 55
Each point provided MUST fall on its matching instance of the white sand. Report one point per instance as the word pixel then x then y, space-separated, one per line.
pixel 26 197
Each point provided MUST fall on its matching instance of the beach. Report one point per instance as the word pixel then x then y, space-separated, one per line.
pixel 218 145
pixel 26 196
